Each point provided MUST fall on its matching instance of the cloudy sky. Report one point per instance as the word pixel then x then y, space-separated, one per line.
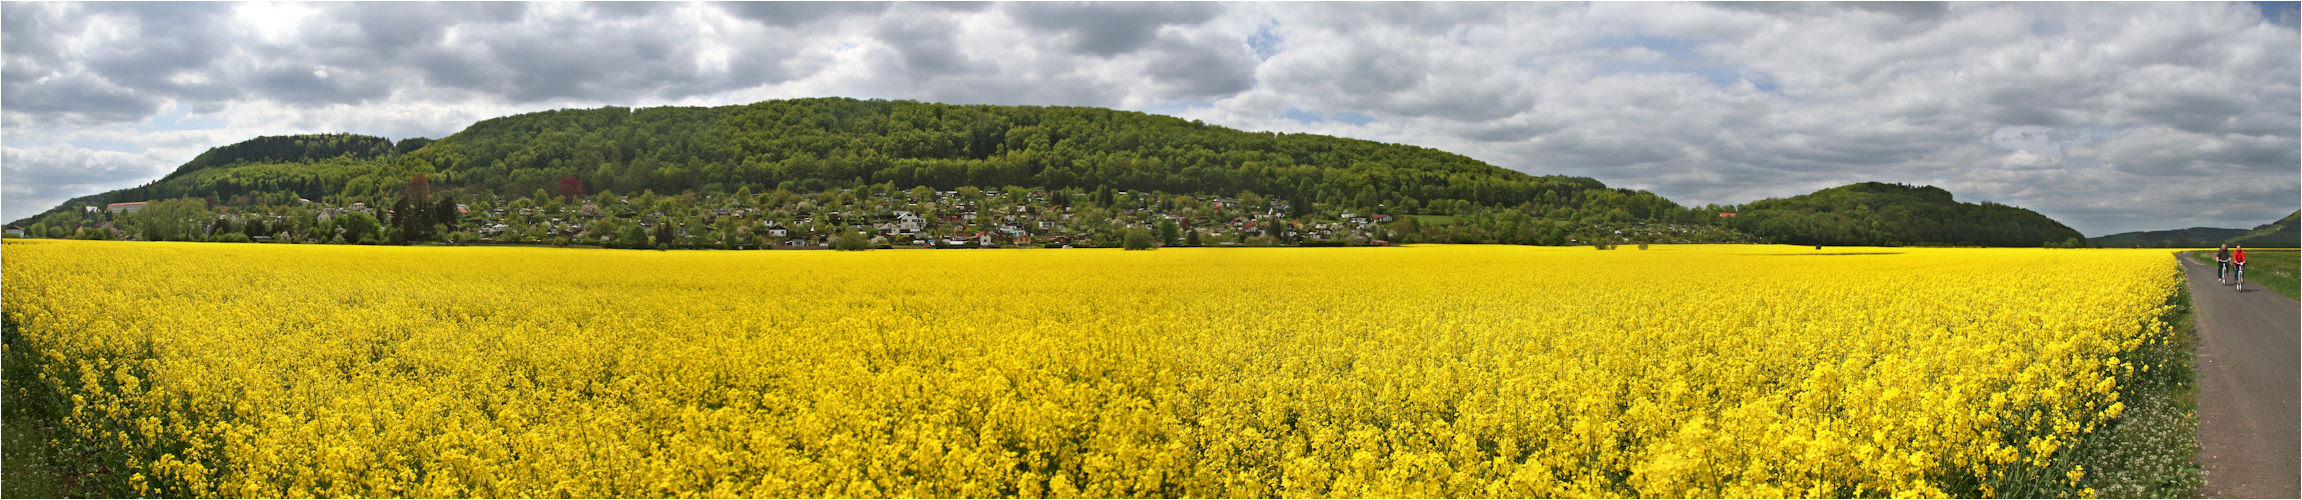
pixel 2108 117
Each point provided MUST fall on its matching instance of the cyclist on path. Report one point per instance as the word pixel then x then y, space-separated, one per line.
pixel 2222 265
pixel 2238 263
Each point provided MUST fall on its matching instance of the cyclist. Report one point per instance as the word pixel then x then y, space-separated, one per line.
pixel 2222 265
pixel 2238 263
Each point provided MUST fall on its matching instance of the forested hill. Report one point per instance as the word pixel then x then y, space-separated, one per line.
pixel 288 149
pixel 2285 233
pixel 833 144
pixel 277 168
pixel 1872 213
pixel 808 145
pixel 789 158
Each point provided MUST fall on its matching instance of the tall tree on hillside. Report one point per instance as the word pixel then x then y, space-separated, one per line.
pixel 445 212
pixel 570 188
pixel 415 220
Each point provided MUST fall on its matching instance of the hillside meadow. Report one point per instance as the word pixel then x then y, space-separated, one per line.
pixel 242 370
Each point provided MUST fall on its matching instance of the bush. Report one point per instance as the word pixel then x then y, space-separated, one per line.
pixel 1137 239
pixel 851 242
pixel 1642 246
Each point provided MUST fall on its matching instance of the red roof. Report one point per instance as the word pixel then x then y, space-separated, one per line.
pixel 125 204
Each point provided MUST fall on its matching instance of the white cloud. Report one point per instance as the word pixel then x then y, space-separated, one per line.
pixel 2056 107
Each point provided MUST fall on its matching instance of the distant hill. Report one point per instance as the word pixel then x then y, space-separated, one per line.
pixel 2285 233
pixel 290 166
pixel 830 144
pixel 807 145
pixel 2172 238
pixel 1873 213
pixel 287 149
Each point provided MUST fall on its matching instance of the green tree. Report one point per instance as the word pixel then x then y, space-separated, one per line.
pixel 1169 233
pixel 632 236
pixel 851 241
pixel 358 226
pixel 181 219
pixel 1137 239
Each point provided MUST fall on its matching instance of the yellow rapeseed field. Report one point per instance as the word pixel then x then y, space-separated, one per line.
pixel 1448 371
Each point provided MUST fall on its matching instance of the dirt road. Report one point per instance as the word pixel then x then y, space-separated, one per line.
pixel 2248 397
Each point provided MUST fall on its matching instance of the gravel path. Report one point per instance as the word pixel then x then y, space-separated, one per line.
pixel 2248 397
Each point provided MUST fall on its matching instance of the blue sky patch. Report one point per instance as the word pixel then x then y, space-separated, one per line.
pixel 1350 117
pixel 1264 42
pixel 2279 13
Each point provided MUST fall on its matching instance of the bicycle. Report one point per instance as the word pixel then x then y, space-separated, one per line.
pixel 2238 278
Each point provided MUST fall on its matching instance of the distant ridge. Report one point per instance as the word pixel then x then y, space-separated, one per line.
pixel 836 145
pixel 2172 238
pixel 2283 233
pixel 1874 213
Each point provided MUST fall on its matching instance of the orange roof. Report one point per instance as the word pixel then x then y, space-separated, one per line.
pixel 128 203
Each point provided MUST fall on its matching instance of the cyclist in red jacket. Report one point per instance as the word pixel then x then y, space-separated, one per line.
pixel 2238 259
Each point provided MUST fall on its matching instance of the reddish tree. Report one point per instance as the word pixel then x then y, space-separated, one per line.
pixel 419 189
pixel 571 188
pixel 412 212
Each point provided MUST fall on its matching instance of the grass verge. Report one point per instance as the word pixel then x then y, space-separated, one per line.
pixel 2151 450
pixel 36 453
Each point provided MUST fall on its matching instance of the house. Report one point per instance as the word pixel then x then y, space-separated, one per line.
pixel 906 223
pixel 1383 218
pixel 1726 214
pixel 14 231
pixel 125 208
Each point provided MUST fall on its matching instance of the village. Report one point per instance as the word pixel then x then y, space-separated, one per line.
pixel 922 218
pixel 883 217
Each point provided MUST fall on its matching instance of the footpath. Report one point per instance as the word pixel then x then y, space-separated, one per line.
pixel 2248 395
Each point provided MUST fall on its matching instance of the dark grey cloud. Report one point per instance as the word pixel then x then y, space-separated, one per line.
pixel 622 9
pixel 387 26
pixel 926 47
pixel 503 49
pixel 1191 70
pixel 793 14
pixel 306 85
pixel 79 99
pixel 176 37
pixel 1919 12
pixel 110 82
pixel 1108 29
